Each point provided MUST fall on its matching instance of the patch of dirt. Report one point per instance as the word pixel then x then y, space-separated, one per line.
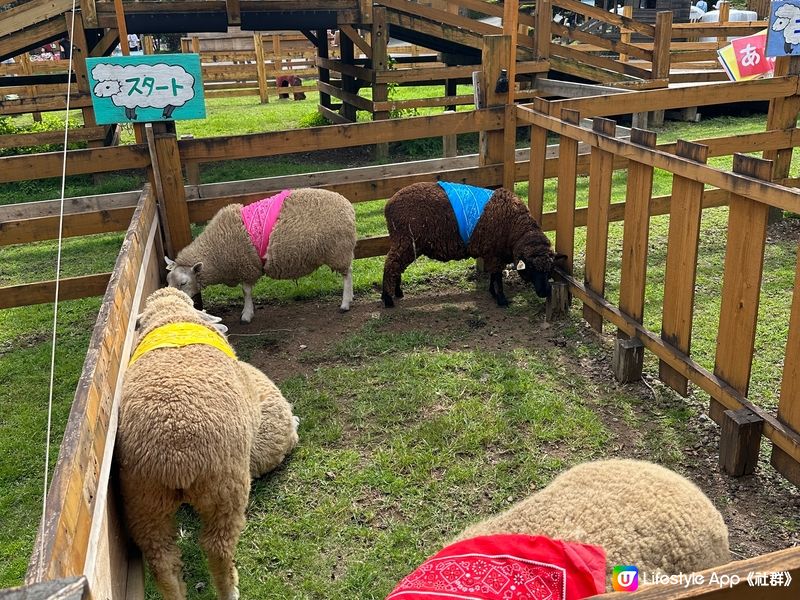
pixel 785 230
pixel 761 510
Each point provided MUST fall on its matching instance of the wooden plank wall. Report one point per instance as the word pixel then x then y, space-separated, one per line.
pixel 83 533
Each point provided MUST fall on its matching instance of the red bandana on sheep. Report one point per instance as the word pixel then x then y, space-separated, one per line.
pixel 507 567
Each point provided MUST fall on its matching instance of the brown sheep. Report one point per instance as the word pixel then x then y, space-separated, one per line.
pixel 421 221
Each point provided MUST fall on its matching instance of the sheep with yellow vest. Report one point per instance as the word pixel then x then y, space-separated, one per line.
pixel 195 425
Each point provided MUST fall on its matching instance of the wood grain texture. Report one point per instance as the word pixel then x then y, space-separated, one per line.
pixel 600 174
pixel 567 185
pixel 636 230
pixel 741 283
pixel 681 268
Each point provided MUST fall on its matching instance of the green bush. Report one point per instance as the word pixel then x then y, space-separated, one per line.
pixel 313 119
pixel 48 123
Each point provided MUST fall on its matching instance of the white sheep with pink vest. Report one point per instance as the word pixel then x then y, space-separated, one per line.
pixel 286 236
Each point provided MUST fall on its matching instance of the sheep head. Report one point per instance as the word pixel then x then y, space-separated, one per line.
pixel 106 89
pixel 534 261
pixel 169 305
pixel 784 15
pixel 184 277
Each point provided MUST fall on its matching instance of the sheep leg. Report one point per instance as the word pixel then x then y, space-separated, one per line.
pixel 398 292
pixel 397 260
pixel 347 293
pixel 221 509
pixel 150 515
pixel 167 114
pixel 130 113
pixel 247 313
pixel 496 288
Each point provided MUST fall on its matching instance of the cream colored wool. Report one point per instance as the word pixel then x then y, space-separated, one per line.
pixel 189 420
pixel 225 249
pixel 277 433
pixel 315 227
pixel 641 514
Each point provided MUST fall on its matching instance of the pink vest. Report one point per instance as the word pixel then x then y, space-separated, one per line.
pixel 259 218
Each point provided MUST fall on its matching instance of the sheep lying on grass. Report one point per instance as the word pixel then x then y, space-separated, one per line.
pixel 446 221
pixel 285 236
pixel 195 424
pixel 639 513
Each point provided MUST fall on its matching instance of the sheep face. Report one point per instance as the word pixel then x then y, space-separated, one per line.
pixel 106 89
pixel 160 302
pixel 184 278
pixel 536 271
pixel 784 16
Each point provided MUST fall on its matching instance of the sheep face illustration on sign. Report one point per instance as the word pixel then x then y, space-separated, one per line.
pixel 139 89
pixel 783 33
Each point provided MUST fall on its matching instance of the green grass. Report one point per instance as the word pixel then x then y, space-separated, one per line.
pixel 406 435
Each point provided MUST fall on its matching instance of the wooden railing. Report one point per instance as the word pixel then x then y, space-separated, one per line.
pixel 750 198
pixel 82 532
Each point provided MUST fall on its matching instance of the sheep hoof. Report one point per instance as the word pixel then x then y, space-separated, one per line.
pixel 344 309
pixel 245 321
pixel 502 301
pixel 387 300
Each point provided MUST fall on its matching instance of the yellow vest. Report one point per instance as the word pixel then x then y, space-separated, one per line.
pixel 178 335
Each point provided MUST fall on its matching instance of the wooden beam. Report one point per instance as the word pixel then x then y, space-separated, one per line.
pixel 11 45
pixel 766 193
pixel 30 13
pixel 336 136
pixel 234 12
pixel 359 102
pixel 93 160
pixel 362 44
pixel 107 42
pixel 70 288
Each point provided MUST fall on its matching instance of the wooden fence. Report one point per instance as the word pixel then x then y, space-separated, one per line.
pixel 81 534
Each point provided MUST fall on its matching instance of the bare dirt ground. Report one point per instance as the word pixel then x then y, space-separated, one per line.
pixel 761 510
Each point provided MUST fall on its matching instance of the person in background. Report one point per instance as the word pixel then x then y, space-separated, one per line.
pixel 702 5
pixel 133 42
pixel 66 47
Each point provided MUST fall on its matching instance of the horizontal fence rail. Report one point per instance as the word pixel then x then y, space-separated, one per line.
pixel 750 195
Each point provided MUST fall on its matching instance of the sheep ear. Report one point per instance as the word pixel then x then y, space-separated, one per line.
pixel 221 327
pixel 138 323
pixel 197 267
pixel 208 318
pixel 520 266
pixel 171 264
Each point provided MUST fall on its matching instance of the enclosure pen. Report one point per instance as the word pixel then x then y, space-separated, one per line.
pixel 82 549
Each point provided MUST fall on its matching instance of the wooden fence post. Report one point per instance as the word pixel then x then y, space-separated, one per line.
pixel 324 75
pixel 542 33
pixel 349 83
pixel 629 353
pixel 789 403
pixel 261 68
pixel 601 170
pixel 625 34
pixel 169 187
pixel 681 269
pixel 496 55
pixel 567 183
pixel 783 114
pixel 380 63
pixel 536 165
pixel 744 260
pixel 661 58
